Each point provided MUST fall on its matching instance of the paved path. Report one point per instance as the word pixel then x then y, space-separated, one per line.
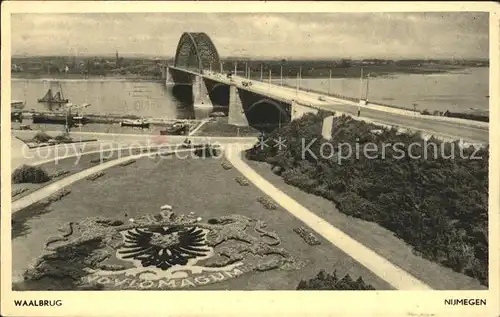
pixel 21 154
pixel 390 273
pixel 202 123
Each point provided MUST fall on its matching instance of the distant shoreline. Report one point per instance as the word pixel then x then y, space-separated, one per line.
pixel 353 71
pixel 78 77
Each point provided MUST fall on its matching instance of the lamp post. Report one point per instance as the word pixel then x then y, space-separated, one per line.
pixel 368 85
pixel 283 61
pixel 361 86
pixel 235 68
pixel 281 75
pixel 269 79
pixel 297 86
pixel 261 72
pixel 329 81
pixel 300 76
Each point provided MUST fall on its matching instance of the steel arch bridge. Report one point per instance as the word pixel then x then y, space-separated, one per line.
pixel 197 52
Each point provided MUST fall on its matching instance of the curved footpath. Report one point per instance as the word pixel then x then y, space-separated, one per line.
pixel 387 271
pixel 48 190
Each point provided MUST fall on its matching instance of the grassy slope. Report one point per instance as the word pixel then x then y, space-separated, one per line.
pixel 373 236
pixel 73 165
pixel 439 206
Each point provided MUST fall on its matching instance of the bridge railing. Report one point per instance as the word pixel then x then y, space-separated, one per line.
pixel 343 97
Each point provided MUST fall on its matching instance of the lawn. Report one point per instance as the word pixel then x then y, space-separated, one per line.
pixel 199 186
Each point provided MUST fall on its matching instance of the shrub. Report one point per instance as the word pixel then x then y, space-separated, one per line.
pixel 63 138
pixel 41 137
pixel 29 174
pixel 325 281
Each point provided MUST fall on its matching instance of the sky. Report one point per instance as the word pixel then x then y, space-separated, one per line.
pixel 258 35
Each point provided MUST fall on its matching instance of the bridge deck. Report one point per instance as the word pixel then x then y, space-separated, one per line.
pixel 468 131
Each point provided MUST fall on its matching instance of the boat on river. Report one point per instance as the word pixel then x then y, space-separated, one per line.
pixel 57 98
pixel 178 128
pixel 59 118
pixel 17 104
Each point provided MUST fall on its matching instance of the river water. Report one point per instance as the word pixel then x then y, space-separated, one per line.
pixel 455 91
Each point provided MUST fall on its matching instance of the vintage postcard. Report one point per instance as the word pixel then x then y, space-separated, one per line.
pixel 250 158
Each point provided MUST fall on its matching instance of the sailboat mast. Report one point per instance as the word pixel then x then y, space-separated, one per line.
pixel 62 94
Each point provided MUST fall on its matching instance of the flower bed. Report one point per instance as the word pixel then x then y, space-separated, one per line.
pixel 308 237
pixel 242 181
pixel 95 176
pixel 59 174
pixel 127 163
pixel 267 203
pixel 19 191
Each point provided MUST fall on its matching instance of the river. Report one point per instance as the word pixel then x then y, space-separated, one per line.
pixel 455 91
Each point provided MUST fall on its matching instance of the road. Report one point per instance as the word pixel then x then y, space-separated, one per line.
pixel 387 271
pixel 467 130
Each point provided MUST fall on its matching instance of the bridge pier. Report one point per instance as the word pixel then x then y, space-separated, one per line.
pixel 200 93
pixel 327 128
pixel 236 114
pixel 165 73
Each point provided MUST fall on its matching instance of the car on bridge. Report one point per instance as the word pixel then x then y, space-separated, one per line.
pixel 322 98
pixel 246 84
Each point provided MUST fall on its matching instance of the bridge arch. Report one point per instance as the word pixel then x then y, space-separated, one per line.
pixel 196 51
pixel 267 101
